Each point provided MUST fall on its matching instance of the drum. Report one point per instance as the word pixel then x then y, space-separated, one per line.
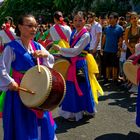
pixel 61 65
pixel 48 86
pixel 130 70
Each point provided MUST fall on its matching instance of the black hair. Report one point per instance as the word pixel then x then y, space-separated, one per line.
pixel 57 15
pixel 115 15
pixel 8 18
pixel 81 13
pixel 20 22
pixel 92 14
pixel 133 13
pixel 122 18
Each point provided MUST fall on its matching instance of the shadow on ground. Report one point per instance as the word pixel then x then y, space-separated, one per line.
pixel 117 136
pixel 61 128
pixel 119 97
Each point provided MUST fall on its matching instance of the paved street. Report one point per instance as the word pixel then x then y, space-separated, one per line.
pixel 115 119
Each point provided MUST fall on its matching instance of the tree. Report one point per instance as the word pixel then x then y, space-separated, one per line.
pixel 15 8
pixel 66 6
pixel 46 8
pixel 134 3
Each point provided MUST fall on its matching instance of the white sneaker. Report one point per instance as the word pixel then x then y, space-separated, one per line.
pixel 134 88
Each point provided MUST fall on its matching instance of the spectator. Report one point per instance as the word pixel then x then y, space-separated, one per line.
pixel 111 37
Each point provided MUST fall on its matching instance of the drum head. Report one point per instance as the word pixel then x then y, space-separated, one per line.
pixel 130 71
pixel 39 83
pixel 61 66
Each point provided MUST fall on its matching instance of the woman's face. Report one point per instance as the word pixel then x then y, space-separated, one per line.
pixel 105 23
pixel 133 19
pixel 90 19
pixel 78 22
pixel 28 28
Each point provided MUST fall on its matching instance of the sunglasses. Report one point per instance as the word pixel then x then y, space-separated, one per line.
pixel 31 26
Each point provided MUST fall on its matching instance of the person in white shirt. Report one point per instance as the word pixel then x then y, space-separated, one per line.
pixel 122 59
pixel 96 34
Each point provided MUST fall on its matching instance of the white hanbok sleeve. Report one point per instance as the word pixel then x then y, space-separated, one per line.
pixel 78 48
pixel 68 33
pixel 5 64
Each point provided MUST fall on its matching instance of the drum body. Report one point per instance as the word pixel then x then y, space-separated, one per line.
pixel 130 70
pixel 61 65
pixel 48 85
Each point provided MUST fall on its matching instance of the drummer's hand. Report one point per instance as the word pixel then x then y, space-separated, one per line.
pixel 40 53
pixel 56 47
pixel 13 86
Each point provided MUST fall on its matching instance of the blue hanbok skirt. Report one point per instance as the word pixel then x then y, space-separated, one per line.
pixel 72 101
pixel 21 123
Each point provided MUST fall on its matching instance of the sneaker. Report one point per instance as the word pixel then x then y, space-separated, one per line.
pixel 106 81
pixel 134 88
pixel 71 119
pixel 89 114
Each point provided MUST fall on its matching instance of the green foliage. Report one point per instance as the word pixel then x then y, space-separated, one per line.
pixel 46 8
pixel 15 8
pixel 135 2
pixel 105 7
pixel 66 6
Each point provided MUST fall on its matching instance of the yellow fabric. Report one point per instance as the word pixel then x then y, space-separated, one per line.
pixel 92 65
pixel 95 87
pixel 64 44
pixel 92 69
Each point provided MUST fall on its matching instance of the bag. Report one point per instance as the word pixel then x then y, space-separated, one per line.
pixel 80 74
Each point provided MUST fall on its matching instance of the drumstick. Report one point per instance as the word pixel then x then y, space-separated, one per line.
pixel 38 65
pixel 26 90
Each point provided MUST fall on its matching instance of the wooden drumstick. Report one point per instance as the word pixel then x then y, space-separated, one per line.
pixel 26 90
pixel 38 65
